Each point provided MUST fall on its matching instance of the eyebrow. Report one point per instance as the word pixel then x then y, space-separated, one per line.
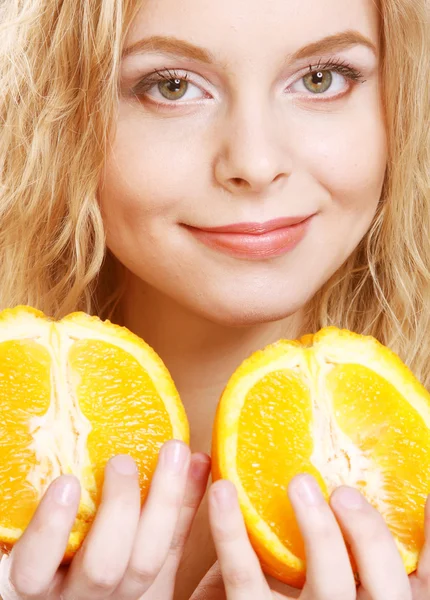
pixel 177 47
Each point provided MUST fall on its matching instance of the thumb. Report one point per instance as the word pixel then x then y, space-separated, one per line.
pixel 211 586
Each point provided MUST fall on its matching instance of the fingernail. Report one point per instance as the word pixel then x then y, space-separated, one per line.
pixel 199 468
pixel 66 491
pixel 224 496
pixel 174 456
pixel 124 464
pixel 308 490
pixel 349 498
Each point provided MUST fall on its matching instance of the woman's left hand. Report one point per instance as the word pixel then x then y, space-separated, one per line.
pixel 238 575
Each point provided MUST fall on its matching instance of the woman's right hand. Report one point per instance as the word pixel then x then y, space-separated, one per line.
pixel 129 553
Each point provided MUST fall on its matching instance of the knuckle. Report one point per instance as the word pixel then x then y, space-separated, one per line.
pixel 229 530
pixel 192 502
pixel 238 578
pixel 178 542
pixel 127 502
pixel 28 584
pixel 167 496
pixel 342 594
pixel 144 574
pixel 46 525
pixel 191 505
pixel 323 528
pixel 225 534
pixel 370 531
pixel 120 500
pixel 425 579
pixel 173 499
pixel 173 504
pixel 103 578
pixel 336 595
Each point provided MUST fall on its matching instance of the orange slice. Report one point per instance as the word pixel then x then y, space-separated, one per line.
pixel 341 407
pixel 74 393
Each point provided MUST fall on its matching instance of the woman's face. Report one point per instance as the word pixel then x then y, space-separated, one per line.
pixel 262 116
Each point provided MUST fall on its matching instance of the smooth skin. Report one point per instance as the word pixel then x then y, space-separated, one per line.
pixel 129 553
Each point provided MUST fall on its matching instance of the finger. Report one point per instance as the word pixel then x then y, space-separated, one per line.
pixel 211 587
pixel 158 521
pixel 35 558
pixel 197 479
pixel 8 590
pixel 381 569
pixel 240 568
pixel 99 565
pixel 328 568
pixel 423 569
pixel 198 473
pixel 420 580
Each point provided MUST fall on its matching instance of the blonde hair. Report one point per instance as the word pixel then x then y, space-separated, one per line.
pixel 59 62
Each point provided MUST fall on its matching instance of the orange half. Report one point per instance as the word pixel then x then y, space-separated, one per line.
pixel 341 407
pixel 73 394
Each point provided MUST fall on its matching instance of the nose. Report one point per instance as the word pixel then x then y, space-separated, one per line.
pixel 252 156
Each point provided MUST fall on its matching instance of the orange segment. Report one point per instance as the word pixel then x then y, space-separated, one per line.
pixel 74 393
pixel 23 408
pixel 280 408
pixel 394 446
pixel 339 406
pixel 115 410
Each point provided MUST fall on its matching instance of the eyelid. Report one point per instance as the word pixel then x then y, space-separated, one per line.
pixel 158 75
pixel 352 76
pixel 343 67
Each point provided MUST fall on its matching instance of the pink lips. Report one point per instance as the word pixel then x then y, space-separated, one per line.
pixel 255 240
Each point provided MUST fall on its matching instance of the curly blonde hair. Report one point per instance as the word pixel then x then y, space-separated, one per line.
pixel 59 64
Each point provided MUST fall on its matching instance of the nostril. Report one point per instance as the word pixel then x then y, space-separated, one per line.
pixel 237 181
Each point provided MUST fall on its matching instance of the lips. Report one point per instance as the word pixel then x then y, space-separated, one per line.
pixel 255 241
pixel 256 228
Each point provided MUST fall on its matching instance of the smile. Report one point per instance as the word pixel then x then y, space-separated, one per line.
pixel 255 241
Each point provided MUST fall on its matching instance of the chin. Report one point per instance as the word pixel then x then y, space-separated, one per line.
pixel 238 313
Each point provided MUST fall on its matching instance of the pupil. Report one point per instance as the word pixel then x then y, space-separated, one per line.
pixel 174 85
pixel 317 78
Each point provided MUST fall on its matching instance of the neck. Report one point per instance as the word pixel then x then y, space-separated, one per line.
pixel 200 355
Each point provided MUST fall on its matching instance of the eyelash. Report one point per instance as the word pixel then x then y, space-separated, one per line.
pixel 155 77
pixel 339 66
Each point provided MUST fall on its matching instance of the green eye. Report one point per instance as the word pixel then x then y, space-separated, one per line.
pixel 173 89
pixel 318 81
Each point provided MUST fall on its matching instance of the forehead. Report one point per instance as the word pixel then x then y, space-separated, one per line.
pixel 231 28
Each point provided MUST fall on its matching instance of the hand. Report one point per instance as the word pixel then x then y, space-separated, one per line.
pixel 329 572
pixel 128 554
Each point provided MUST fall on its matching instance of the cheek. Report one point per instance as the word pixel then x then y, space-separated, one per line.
pixel 347 155
pixel 147 175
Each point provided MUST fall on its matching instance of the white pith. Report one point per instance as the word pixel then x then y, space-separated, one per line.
pixel 335 456
pixel 60 435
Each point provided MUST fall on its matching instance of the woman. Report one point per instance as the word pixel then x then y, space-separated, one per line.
pixel 215 176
